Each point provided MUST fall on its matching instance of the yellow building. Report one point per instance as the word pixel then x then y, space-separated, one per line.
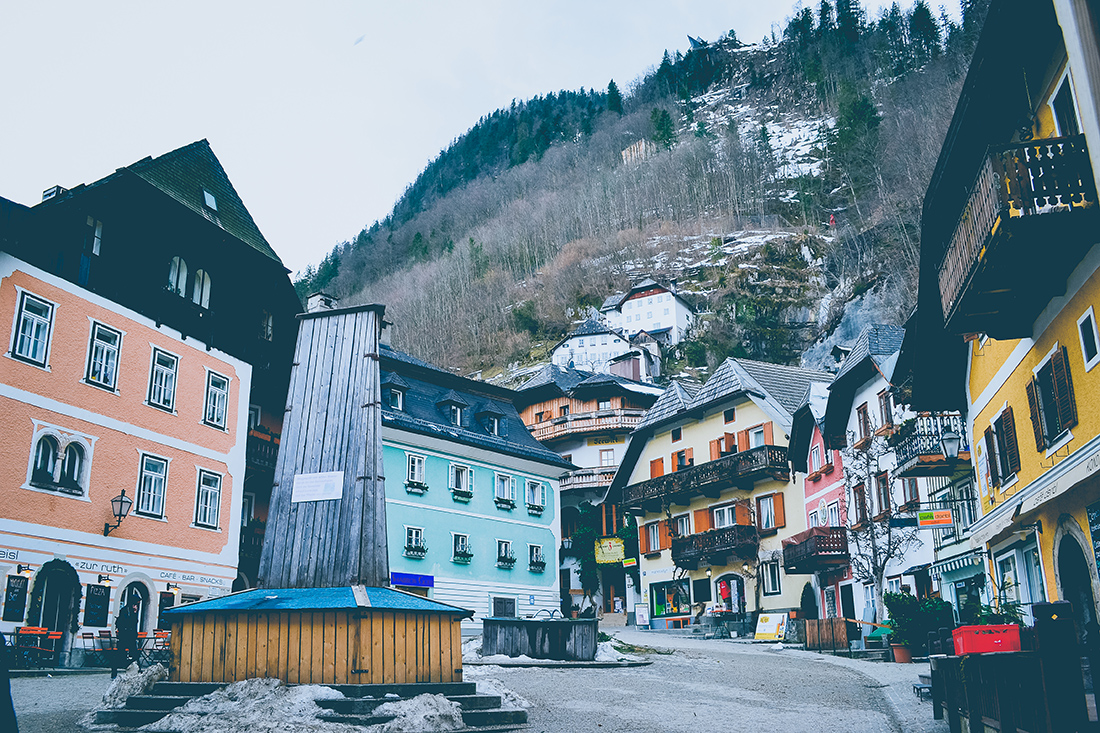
pixel 707 476
pixel 1008 283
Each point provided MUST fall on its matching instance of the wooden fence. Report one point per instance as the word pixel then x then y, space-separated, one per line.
pixel 541 639
pixel 317 647
pixel 827 633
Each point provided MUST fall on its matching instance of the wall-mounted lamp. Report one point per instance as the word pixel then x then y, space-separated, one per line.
pixel 567 543
pixel 24 570
pixel 120 506
pixel 745 568
pixel 1025 529
pixel 173 587
pixel 950 442
pixel 708 572
pixel 104 579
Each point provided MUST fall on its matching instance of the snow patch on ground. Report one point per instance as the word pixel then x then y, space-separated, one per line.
pixel 606 652
pixel 471 649
pixel 132 681
pixel 420 713
pixel 508 698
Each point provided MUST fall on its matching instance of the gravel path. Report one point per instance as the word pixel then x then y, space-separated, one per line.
pixel 55 704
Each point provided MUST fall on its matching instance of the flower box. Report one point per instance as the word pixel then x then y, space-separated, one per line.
pixel 506 561
pixel 537 566
pixel 462 494
pixel 503 503
pixel 416 487
pixel 535 509
pixel 416 551
pixel 983 639
pixel 462 556
pixel 826 469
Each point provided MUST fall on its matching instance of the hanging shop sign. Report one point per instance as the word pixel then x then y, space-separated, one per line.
pixel 935 518
pixel 609 550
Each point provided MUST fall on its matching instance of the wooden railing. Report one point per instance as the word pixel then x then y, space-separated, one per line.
pixel 712 476
pixel 588 478
pixel 923 438
pixel 262 449
pixel 740 540
pixel 1029 179
pixel 622 419
pixel 822 547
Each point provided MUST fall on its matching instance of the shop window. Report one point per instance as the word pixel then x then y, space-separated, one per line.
pixel 771 575
pixel 670 598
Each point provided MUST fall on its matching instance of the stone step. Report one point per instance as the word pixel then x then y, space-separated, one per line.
pixel 156 702
pixel 187 689
pixel 405 690
pixel 498 716
pixel 129 718
pixel 363 720
pixel 364 705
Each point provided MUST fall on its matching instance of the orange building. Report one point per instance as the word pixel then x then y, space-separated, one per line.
pixel 141 371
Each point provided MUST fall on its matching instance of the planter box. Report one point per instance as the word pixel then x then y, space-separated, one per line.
pixel 982 639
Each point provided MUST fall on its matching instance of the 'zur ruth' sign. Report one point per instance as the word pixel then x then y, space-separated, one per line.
pixel 936 518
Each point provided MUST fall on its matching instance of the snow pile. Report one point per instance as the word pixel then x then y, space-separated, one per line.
pixel 508 698
pixel 471 649
pixel 254 706
pixel 132 681
pixel 606 652
pixel 421 713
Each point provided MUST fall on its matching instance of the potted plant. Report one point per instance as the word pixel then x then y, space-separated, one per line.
pixel 903 609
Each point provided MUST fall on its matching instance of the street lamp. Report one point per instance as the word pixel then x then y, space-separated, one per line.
pixel 950 443
pixel 567 543
pixel 120 506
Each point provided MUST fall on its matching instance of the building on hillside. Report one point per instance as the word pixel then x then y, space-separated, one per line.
pixel 651 306
pixel 472 503
pixel 707 476
pixel 141 363
pixel 590 347
pixel 593 433
pixel 1008 288
pixel 825 503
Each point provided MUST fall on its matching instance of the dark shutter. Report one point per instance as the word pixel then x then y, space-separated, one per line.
pixel 991 452
pixel 1012 449
pixel 1063 390
pixel 1036 417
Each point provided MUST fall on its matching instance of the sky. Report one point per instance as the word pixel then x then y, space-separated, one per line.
pixel 321 112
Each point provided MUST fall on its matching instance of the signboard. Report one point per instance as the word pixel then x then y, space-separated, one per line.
pixel 630 562
pixel 983 467
pixel 1081 470
pixel 317 486
pixel 96 602
pixel 412 580
pixel 608 440
pixel 935 518
pixel 1093 511
pixel 167 599
pixel 771 626
pixel 15 598
pixel 609 550
pixel 641 614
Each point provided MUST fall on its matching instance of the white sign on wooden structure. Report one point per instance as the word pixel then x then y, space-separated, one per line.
pixel 318 486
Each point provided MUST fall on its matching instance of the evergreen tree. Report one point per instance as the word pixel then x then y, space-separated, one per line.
pixel 849 20
pixel 924 34
pixel 614 98
pixel 825 24
pixel 664 133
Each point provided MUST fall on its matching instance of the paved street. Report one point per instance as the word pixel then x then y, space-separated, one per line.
pixel 702 686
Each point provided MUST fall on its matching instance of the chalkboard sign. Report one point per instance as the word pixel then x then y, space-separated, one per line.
pixel 15 598
pixel 96 604
pixel 1093 511
pixel 167 600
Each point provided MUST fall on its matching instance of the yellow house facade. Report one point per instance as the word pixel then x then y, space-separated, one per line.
pixel 1008 291
pixel 708 478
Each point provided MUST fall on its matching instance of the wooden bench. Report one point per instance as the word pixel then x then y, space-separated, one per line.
pixel 920 690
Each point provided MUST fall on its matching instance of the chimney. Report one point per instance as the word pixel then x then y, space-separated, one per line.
pixel 53 191
pixel 320 302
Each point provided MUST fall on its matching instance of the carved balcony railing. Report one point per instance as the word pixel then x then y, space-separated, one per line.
pixel 818 548
pixel 262 449
pixel 711 478
pixel 1029 220
pixel 716 546
pixel 623 420
pixel 918 448
pixel 588 478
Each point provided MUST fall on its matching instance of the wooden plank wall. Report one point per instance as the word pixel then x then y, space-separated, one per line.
pixel 827 633
pixel 333 422
pixel 317 647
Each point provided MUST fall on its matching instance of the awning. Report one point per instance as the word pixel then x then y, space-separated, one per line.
pixel 969 559
pixel 916 569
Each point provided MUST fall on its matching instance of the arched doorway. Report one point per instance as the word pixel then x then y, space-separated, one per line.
pixel 729 594
pixel 1076 581
pixel 136 591
pixel 55 596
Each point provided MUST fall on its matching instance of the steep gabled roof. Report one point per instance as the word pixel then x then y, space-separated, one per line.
pixel 873 355
pixel 786 384
pixel 876 343
pixel 676 399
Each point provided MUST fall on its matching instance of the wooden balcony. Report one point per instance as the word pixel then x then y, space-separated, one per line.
pixel 262 449
pixel 710 478
pixel 588 478
pixel 818 548
pixel 716 546
pixel 919 452
pixel 1031 217
pixel 584 423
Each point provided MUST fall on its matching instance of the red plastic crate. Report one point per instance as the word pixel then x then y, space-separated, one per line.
pixel 981 639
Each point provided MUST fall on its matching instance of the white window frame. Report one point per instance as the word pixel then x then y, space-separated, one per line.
pixel 453 475
pixel 681 525
pixel 414 468
pixel 773 578
pixel 457 545
pixel 755 434
pixel 504 548
pixel 535 554
pixel 653 535
pixel 607 457
pixel 414 533
pixel 170 404
pixel 1065 78
pixel 811 519
pixel 504 487
pixel 1091 317
pixel 43 333
pixel 208 499
pixel 99 351
pixel 456 415
pixel 153 502
pixel 397 399
pixel 834 514
pixel 535 493
pixel 603 404
pixel 214 395
pixel 766 518
pixel 62 440
pixel 724 516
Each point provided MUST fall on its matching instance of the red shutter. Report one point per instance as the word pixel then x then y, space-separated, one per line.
pixel 1012 448
pixel 768 434
pixel 666 536
pixel 759 499
pixel 743 440
pixel 1063 390
pixel 741 514
pixel 780 513
pixel 657 467
pixel 643 539
pixel 689 458
pixel 1036 417
pixel 731 442
pixel 991 452
pixel 715 452
pixel 702 520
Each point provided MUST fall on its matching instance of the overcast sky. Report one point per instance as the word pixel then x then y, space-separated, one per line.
pixel 321 113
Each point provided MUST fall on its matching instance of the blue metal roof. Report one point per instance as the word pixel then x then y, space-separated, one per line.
pixel 317 599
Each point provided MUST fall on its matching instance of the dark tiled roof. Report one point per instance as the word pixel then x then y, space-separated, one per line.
pixel 430 387
pixel 676 399
pixel 879 340
pixel 786 384
pixel 726 380
pixel 184 173
pixel 588 328
pixel 452 398
pixel 565 378
pixel 301 599
pixel 393 379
